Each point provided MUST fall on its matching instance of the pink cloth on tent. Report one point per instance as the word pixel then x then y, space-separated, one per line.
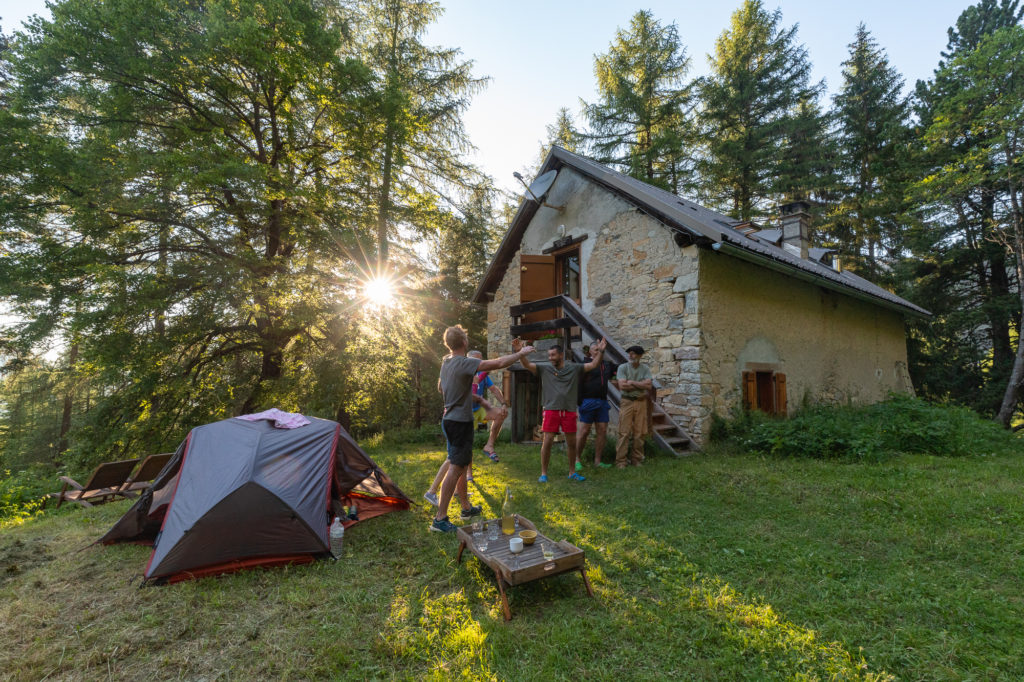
pixel 281 419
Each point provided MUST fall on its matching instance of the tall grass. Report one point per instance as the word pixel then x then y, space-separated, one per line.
pixel 899 425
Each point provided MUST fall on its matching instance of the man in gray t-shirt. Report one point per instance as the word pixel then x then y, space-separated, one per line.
pixel 559 385
pixel 456 386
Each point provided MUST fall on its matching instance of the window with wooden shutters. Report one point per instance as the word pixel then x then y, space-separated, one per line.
pixel 764 390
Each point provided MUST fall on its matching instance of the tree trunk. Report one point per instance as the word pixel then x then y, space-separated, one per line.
pixel 65 418
pixel 1010 397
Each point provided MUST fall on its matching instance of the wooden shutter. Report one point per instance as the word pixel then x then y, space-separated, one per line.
pixel 750 390
pixel 780 394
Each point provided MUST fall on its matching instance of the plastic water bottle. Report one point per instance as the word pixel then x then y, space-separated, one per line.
pixel 337 535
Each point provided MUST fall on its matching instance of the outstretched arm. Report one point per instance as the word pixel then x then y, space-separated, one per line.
pixel 596 355
pixel 506 360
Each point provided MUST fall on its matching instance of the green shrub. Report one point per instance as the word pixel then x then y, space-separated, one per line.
pixel 899 425
pixel 22 493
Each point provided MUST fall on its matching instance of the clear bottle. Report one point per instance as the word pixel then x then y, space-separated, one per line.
pixel 508 522
pixel 337 536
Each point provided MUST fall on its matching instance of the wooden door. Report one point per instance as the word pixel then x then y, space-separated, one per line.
pixel 537 281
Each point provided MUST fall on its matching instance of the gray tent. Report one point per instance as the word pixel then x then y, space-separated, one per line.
pixel 239 494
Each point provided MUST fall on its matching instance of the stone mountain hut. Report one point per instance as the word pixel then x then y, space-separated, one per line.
pixel 732 315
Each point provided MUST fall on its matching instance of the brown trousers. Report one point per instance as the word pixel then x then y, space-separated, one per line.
pixel 632 426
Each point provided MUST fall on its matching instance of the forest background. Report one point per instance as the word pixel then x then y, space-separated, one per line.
pixel 210 208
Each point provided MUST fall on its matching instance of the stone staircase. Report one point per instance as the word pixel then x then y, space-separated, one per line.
pixel 667 434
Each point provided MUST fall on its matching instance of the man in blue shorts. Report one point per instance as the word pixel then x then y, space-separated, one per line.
pixel 456 386
pixel 593 409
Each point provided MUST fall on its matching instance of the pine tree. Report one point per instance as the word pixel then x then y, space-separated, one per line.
pixel 872 128
pixel 563 133
pixel 989 111
pixel 758 115
pixel 963 271
pixel 641 122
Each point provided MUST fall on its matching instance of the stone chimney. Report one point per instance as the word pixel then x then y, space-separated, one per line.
pixel 795 221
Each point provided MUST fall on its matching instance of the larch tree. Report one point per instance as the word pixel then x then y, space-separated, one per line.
pixel 641 123
pixel 178 195
pixel 416 140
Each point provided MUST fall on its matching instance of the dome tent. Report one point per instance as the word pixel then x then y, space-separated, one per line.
pixel 239 494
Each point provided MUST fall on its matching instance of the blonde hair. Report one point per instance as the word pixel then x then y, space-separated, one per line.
pixel 456 338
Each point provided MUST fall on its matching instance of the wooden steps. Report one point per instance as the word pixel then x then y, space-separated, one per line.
pixel 666 432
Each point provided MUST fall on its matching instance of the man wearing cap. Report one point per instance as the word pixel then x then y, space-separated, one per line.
pixel 635 381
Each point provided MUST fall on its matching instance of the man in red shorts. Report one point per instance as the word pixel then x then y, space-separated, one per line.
pixel 559 385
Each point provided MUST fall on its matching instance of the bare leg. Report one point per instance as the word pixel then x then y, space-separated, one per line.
pixel 545 452
pixel 582 433
pixel 447 488
pixel 493 435
pixel 439 477
pixel 570 448
pixel 600 436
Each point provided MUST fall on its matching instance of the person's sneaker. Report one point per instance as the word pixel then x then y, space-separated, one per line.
pixel 471 512
pixel 431 498
pixel 579 466
pixel 576 477
pixel 443 526
pixel 543 478
pixel 469 478
pixel 604 465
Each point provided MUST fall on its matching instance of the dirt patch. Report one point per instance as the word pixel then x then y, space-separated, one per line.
pixel 19 556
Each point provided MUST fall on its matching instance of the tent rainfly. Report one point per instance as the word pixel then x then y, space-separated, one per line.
pixel 239 494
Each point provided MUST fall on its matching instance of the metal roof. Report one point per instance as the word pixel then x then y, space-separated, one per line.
pixel 703 224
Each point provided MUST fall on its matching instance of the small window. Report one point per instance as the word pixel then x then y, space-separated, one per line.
pixel 569 274
pixel 765 390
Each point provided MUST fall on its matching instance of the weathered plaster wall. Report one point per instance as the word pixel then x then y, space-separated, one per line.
pixel 644 291
pixel 499 341
pixel 831 347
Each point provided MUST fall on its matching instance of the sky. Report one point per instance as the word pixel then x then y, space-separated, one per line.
pixel 539 55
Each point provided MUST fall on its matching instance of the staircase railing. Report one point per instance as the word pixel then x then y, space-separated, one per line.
pixel 573 316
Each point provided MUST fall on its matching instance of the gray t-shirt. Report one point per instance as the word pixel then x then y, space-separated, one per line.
pixel 559 387
pixel 626 371
pixel 457 387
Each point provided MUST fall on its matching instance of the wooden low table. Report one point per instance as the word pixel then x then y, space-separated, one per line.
pixel 532 565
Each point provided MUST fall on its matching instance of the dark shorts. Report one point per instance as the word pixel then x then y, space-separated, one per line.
pixel 460 441
pixel 594 410
pixel 558 419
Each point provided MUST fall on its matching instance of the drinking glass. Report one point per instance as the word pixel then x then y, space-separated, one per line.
pixel 480 542
pixel 492 531
pixel 548 550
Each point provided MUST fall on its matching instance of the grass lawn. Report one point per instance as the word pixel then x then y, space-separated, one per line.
pixel 720 566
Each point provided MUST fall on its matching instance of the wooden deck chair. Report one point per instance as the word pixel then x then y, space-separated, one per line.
pixel 143 478
pixel 104 484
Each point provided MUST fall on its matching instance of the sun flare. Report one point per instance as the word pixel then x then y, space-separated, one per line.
pixel 379 292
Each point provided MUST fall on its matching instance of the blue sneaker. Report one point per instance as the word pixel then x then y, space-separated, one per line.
pixel 543 478
pixel 475 510
pixel 576 477
pixel 443 526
